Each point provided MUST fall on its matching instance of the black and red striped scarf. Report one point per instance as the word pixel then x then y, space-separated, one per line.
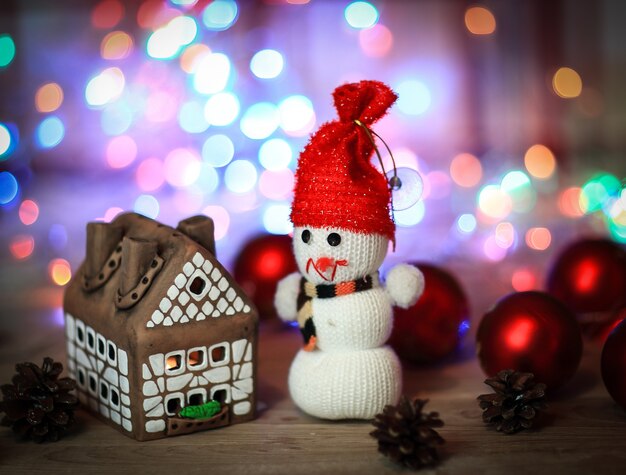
pixel 310 291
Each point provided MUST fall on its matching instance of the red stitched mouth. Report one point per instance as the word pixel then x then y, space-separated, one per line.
pixel 325 264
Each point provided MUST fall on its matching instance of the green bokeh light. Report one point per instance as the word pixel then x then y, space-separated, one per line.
pixel 519 188
pixel 610 183
pixel 7 50
pixel 593 196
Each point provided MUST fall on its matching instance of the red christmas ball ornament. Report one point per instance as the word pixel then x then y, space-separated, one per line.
pixel 530 332
pixel 590 276
pixel 262 262
pixel 614 363
pixel 431 329
pixel 601 324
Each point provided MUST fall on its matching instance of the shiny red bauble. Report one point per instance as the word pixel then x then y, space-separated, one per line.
pixel 590 276
pixel 431 329
pixel 614 364
pixel 262 262
pixel 531 332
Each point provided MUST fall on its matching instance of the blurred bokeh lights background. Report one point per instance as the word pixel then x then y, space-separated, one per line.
pixel 512 112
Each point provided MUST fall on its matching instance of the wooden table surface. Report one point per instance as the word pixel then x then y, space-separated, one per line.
pixel 584 432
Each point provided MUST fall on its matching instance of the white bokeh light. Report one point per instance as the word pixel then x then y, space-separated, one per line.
pixel 276 219
pixel 221 109
pixel 275 154
pixel 212 73
pixel 260 120
pixel 240 176
pixel 267 64
pixel 182 167
pixel 167 41
pixel 297 117
pixel 410 216
pixel 105 87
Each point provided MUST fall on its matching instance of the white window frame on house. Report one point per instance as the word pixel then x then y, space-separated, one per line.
pixel 220 387
pixel 102 355
pixel 169 397
pixel 112 360
pixel 81 370
pixel 93 392
pixel 91 333
pixel 226 359
pixel 205 358
pixel 80 330
pixel 199 273
pixel 193 392
pixel 111 403
pixel 105 400
pixel 183 363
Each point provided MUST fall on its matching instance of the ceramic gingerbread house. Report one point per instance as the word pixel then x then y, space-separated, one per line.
pixel 154 324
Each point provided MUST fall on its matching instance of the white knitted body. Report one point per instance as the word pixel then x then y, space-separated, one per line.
pixel 350 375
pixel 357 321
pixel 345 384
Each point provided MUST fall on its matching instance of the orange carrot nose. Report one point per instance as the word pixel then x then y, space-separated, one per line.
pixel 324 263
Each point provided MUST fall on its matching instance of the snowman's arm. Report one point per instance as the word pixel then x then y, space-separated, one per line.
pixel 405 284
pixel 285 299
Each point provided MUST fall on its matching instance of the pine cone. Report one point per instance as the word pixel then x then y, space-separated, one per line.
pixel 515 403
pixel 37 404
pixel 405 434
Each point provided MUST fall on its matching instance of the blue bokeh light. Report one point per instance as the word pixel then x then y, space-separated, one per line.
pixel 116 118
pixel 147 205
pixel 220 15
pixel 218 150
pixel 464 326
pixel 8 188
pixel 191 118
pixel 466 223
pixel 414 97
pixel 50 132
pixel 184 3
pixel 209 180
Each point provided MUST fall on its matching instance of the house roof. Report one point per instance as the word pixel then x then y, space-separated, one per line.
pixel 136 265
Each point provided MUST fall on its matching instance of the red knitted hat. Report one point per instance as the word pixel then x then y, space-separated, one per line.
pixel 336 184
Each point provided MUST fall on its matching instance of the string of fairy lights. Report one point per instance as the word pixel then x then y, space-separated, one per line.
pixel 173 78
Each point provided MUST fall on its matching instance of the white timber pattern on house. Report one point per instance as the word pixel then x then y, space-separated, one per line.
pixel 101 371
pixel 173 380
pixel 198 292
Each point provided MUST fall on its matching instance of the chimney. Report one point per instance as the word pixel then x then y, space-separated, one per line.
pixel 137 256
pixel 101 241
pixel 200 229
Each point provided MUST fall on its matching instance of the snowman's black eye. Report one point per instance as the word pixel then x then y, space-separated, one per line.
pixel 334 239
pixel 306 236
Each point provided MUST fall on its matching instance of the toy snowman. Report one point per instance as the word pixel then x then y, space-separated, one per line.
pixel 342 227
